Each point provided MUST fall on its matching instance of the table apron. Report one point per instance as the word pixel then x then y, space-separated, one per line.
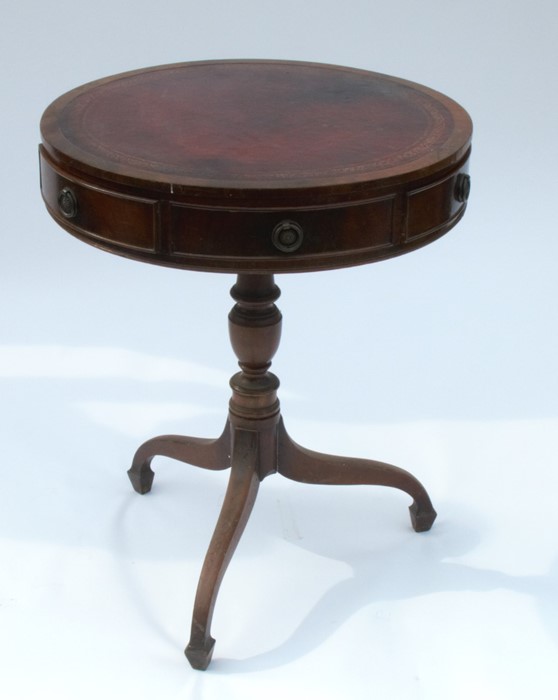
pixel 186 235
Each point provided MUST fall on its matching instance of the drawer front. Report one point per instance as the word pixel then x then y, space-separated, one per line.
pixel 97 214
pixel 439 203
pixel 286 237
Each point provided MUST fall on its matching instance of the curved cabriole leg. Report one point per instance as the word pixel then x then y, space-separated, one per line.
pixel 300 464
pixel 237 506
pixel 200 452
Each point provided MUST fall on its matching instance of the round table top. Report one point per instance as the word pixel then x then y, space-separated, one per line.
pixel 253 136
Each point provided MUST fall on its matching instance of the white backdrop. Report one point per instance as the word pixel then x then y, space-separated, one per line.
pixel 443 362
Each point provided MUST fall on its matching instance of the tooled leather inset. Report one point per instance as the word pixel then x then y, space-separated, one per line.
pixel 347 144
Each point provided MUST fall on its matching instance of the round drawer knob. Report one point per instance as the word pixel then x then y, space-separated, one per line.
pixel 462 187
pixel 67 203
pixel 287 236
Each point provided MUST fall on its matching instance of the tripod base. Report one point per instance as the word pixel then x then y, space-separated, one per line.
pixel 255 444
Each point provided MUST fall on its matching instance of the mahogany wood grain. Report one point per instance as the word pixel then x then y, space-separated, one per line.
pixel 256 168
pixel 195 165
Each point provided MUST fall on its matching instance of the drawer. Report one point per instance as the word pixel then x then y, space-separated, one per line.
pixel 430 207
pixel 92 212
pixel 293 234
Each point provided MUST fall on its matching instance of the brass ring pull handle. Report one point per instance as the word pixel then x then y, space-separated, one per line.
pixel 287 236
pixel 67 203
pixel 463 187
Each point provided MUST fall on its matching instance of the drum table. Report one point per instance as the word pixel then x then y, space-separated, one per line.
pixel 255 168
